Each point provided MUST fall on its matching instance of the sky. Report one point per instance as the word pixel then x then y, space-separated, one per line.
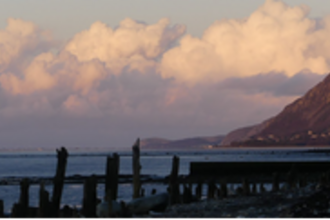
pixel 86 74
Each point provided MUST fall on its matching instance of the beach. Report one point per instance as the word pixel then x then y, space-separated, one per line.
pixel 310 201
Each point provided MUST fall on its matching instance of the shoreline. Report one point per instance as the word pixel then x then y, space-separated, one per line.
pixel 310 201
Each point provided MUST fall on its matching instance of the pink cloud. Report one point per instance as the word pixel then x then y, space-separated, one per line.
pixel 154 80
pixel 276 37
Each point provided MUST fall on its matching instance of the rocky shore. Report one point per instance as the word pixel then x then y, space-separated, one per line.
pixel 309 201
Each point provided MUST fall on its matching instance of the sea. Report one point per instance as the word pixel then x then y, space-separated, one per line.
pixel 36 164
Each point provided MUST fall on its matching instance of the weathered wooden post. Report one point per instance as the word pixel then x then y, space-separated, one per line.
pixel 153 191
pixel 44 204
pixel 16 211
pixel 136 169
pixel 111 179
pixel 124 210
pixel 262 188
pixel 223 189
pixel 89 200
pixel 246 187
pixel 198 190
pixel 211 189
pixel 62 156
pixel 142 192
pixel 187 196
pixel 254 188
pixel 174 185
pixel 1 209
pixel 24 197
pixel 276 184
pixel 21 208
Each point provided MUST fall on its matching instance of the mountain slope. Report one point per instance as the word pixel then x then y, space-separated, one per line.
pixel 305 121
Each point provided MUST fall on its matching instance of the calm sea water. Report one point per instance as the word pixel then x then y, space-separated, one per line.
pixel 40 164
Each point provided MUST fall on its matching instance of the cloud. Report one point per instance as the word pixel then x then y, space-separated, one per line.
pixel 131 43
pixel 114 84
pixel 36 77
pixel 275 38
pixel 21 38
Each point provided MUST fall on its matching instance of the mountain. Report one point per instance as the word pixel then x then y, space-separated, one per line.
pixel 306 121
pixel 188 143
pixel 243 134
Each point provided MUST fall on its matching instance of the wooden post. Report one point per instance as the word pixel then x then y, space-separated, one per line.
pixel 20 209
pixel 153 191
pixel 124 210
pixel 246 187
pixel 111 179
pixel 187 196
pixel 223 189
pixel 254 188
pixel 44 204
pixel 136 169
pixel 276 184
pixel 16 211
pixel 24 197
pixel 89 200
pixel 1 209
pixel 262 188
pixel 211 189
pixel 174 185
pixel 142 192
pixel 198 190
pixel 62 155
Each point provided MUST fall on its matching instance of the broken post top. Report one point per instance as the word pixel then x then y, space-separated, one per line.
pixel 62 153
pixel 136 146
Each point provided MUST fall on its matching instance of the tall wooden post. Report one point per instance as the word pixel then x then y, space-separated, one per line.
pixel 24 197
pixel 174 185
pixel 62 156
pixel 111 181
pixel 89 200
pixel 136 169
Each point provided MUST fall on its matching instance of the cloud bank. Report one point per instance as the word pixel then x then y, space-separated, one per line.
pixel 276 37
pixel 110 85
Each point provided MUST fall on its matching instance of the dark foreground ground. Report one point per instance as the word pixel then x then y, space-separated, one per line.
pixel 310 201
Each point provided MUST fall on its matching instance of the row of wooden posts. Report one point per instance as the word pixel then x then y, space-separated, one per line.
pixel 51 207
